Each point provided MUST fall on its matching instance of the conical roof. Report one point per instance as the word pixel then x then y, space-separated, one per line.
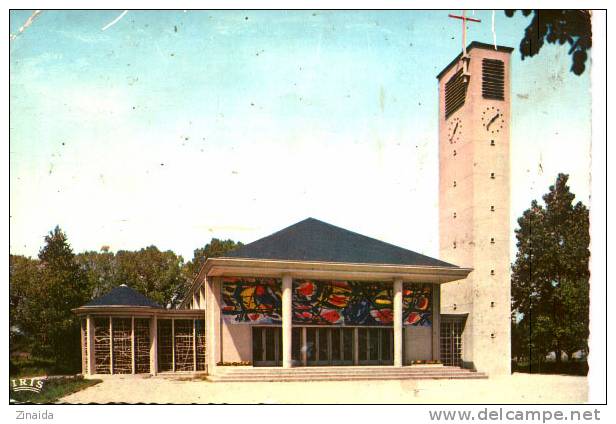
pixel 123 296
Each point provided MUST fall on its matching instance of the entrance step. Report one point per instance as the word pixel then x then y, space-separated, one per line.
pixel 230 374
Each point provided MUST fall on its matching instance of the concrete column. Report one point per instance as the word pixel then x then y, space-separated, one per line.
pixel 202 297
pixel 204 337
pixel 132 343
pixel 304 347
pixel 210 361
pixel 287 321
pixel 213 334
pixel 398 339
pixel 154 345
pixel 436 322
pixel 90 345
pixel 84 346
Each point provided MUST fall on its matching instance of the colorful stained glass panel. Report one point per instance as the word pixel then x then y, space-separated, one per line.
pixel 417 304
pixel 352 303
pixel 251 300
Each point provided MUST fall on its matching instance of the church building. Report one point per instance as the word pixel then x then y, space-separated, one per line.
pixel 315 301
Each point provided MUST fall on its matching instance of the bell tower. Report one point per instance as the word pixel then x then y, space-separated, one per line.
pixel 474 199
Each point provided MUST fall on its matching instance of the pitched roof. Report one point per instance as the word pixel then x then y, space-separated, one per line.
pixel 123 296
pixel 316 241
pixel 472 45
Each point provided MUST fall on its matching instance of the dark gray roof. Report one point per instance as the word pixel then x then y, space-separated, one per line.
pixel 472 45
pixel 123 296
pixel 314 240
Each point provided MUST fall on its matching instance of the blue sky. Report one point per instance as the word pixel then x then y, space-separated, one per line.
pixel 170 128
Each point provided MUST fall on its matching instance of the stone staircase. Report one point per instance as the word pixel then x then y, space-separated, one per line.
pixel 413 372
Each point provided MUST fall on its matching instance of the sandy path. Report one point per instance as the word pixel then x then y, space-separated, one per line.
pixel 517 388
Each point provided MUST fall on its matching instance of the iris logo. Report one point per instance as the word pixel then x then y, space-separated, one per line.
pixel 27 384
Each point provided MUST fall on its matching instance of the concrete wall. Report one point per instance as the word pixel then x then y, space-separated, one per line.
pixel 483 295
pixel 198 297
pixel 236 342
pixel 417 344
pixel 212 322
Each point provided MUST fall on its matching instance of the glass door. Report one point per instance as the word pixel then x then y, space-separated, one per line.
pixel 342 346
pixel 451 342
pixel 375 346
pixel 296 349
pixel 318 346
pixel 329 346
pixel 266 346
pixel 348 345
pixel 323 346
pixel 386 351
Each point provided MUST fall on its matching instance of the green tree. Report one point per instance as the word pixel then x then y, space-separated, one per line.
pixel 573 27
pixel 46 295
pixel 43 291
pixel 550 276
pixel 156 274
pixel 23 273
pixel 573 333
pixel 100 271
pixel 215 248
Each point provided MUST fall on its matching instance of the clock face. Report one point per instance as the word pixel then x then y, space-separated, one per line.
pixel 454 130
pixel 492 119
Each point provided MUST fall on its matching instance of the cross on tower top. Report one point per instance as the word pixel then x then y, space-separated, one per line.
pixel 463 18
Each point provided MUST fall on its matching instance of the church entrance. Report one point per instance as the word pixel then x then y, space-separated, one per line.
pixel 324 346
pixel 329 346
pixel 451 340
pixel 266 346
pixel 375 346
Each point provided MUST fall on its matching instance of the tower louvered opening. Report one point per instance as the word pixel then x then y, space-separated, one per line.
pixel 493 79
pixel 455 93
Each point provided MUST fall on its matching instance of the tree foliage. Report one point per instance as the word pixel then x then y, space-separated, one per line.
pixel 154 273
pixel 215 248
pixel 550 280
pixel 43 291
pixel 558 26
pixel 23 273
pixel 100 271
pixel 43 294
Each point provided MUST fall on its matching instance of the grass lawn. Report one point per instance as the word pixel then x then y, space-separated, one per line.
pixel 52 390
pixel 551 367
pixel 36 366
